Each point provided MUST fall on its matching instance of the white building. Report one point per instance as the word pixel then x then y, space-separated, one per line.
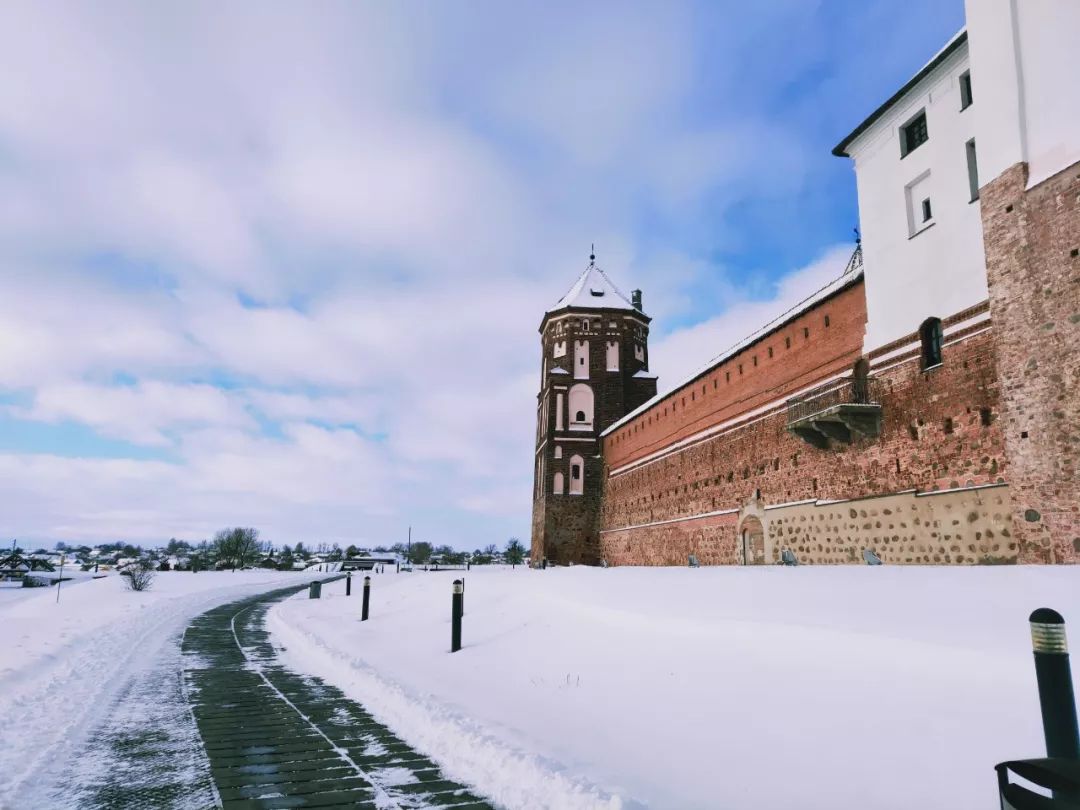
pixel 1004 90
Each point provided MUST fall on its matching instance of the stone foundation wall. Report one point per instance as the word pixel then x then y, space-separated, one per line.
pixel 1032 242
pixel 965 526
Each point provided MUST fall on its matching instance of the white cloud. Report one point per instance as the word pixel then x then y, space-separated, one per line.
pixel 305 251
pixel 140 413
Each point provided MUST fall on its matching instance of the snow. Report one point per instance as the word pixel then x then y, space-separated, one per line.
pixel 594 290
pixel 771 687
pixel 62 665
pixel 849 276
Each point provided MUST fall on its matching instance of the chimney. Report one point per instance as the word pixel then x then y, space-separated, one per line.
pixel 635 299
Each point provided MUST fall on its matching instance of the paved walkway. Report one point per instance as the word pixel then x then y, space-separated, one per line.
pixel 278 739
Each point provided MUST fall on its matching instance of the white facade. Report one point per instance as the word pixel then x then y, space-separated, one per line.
pixel 922 229
pixel 917 267
pixel 1028 52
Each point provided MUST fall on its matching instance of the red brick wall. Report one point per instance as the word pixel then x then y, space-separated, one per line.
pixel 1032 242
pixel 934 435
pixel 725 392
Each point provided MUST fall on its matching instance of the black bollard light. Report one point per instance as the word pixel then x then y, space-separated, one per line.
pixel 367 599
pixel 463 596
pixel 315 590
pixel 456 610
pixel 348 584
pixel 1052 672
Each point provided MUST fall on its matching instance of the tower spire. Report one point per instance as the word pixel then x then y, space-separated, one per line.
pixel 592 253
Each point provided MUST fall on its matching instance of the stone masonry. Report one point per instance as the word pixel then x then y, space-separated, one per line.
pixel 1032 242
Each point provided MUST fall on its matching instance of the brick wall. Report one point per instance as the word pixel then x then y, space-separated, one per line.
pixel 940 430
pixel 790 358
pixel 1032 243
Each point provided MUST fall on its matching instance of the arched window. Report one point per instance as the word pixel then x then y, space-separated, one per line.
pixel 930 337
pixel 581 407
pixel 557 487
pixel 577 475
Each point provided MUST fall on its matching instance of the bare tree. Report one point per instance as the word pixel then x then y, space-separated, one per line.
pixel 237 547
pixel 140 576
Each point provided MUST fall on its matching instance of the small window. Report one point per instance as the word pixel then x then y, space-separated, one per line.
pixel 973 171
pixel 770 351
pixel 965 90
pixel 913 134
pixel 787 343
pixel 927 213
pixel 806 332
pixel 930 338
pixel 579 416
pixel 827 321
pixel 727 376
pixel 755 361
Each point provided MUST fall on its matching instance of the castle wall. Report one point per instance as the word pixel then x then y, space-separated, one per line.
pixel 800 354
pixel 940 431
pixel 1032 242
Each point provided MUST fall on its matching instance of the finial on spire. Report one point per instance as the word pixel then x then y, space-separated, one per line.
pixel 592 253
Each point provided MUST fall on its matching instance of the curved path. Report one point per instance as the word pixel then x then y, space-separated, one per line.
pixel 279 739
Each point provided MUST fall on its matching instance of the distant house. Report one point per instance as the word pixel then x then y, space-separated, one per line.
pixel 14 566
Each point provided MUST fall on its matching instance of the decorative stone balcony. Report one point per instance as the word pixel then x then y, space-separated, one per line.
pixel 840 411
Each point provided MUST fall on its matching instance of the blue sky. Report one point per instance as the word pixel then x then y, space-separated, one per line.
pixel 282 265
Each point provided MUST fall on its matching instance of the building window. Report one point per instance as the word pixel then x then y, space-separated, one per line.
pixel 581 406
pixel 913 134
pixel 770 351
pixel 930 337
pixel 581 359
pixel 973 171
pixel 827 322
pixel 806 332
pixel 787 343
pixel 965 90
pixel 557 487
pixel 917 195
pixel 612 355
pixel 577 475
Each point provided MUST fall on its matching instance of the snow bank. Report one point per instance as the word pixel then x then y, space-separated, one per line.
pixel 830 687
pixel 61 664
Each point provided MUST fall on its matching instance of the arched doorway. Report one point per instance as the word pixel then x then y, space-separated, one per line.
pixel 753 541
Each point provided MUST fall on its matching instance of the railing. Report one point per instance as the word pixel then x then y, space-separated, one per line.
pixel 852 391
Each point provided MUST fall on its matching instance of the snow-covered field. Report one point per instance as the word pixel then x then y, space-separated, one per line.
pixel 61 664
pixel 814 687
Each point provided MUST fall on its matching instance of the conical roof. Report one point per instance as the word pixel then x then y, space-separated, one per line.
pixel 595 290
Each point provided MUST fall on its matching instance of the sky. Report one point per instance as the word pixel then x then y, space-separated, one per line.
pixel 283 264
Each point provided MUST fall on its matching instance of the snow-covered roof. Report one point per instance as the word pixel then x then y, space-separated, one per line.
pixel 594 289
pixel 558 370
pixel 851 274
pixel 645 375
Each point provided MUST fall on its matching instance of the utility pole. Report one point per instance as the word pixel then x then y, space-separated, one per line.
pixel 408 554
pixel 60 580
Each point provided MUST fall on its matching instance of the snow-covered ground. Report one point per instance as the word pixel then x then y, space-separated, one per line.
pixel 813 687
pixel 63 664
